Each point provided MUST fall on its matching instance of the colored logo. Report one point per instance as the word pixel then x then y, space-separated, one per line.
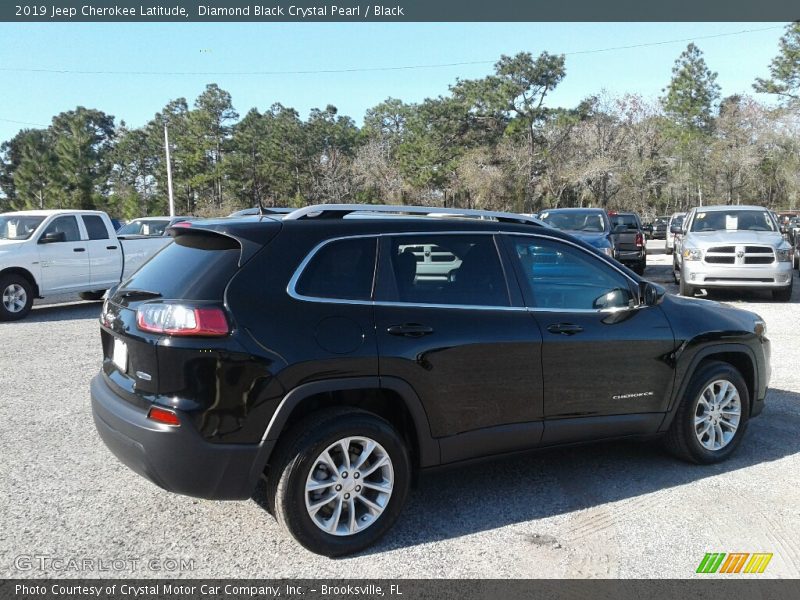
pixel 735 562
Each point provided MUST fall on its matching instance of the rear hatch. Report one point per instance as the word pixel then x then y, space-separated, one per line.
pixel 174 306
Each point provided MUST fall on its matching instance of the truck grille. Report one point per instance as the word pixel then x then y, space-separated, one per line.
pixel 740 255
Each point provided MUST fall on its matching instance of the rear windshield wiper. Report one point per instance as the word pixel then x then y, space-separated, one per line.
pixel 139 294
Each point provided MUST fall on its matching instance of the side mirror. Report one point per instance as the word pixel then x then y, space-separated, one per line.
pixel 52 237
pixel 650 293
pixel 676 229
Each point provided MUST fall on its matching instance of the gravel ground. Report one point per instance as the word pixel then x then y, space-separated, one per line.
pixel 611 510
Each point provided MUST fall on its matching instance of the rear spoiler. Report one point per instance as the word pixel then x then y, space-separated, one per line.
pixel 250 238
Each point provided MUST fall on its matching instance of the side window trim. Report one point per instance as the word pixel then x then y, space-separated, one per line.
pixel 383 266
pixel 291 288
pixel 526 292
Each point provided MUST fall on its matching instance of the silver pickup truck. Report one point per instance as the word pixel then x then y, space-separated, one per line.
pixel 733 247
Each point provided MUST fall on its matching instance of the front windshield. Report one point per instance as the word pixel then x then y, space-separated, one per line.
pixel 733 220
pixel 575 220
pixel 18 227
pixel 153 227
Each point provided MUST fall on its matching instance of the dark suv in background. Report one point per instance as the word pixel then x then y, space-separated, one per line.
pixel 629 242
pixel 331 355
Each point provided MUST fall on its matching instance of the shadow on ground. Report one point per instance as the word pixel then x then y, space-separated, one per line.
pixel 478 497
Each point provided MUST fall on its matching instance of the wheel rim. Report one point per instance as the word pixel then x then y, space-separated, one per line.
pixel 717 415
pixel 14 298
pixel 349 486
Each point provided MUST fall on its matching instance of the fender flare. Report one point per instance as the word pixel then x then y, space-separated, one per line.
pixel 428 446
pixel 692 369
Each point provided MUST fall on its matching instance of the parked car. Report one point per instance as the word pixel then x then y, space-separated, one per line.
pixel 45 252
pixel 674 231
pixel 151 226
pixel 792 229
pixel 309 350
pixel 660 225
pixel 733 247
pixel 591 225
pixel 628 240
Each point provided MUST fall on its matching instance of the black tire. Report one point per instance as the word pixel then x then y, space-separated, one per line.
pixel 296 456
pixel 681 439
pixel 10 281
pixel 96 295
pixel 685 288
pixel 783 294
pixel 639 268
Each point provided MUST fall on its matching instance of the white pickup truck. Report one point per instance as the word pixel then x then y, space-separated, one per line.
pixel 46 252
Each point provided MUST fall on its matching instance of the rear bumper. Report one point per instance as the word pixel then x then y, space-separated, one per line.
pixel 177 459
pixel 631 256
pixel 776 275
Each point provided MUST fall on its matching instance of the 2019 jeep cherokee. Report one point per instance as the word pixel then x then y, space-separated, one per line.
pixel 318 351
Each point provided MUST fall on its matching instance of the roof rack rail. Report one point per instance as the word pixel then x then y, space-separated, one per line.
pixel 338 211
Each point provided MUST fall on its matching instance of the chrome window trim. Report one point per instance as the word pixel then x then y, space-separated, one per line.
pixel 293 293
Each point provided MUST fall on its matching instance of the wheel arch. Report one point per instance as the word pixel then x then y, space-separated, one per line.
pixel 23 273
pixel 739 356
pixel 390 398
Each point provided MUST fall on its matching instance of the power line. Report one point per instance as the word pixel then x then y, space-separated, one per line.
pixel 23 122
pixel 365 69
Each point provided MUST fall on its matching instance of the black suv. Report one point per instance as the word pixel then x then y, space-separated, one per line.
pixel 339 349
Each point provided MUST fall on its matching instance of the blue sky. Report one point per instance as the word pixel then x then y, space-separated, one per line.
pixel 36 97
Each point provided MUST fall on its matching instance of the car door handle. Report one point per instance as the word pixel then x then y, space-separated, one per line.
pixel 111 247
pixel 79 249
pixel 410 330
pixel 564 328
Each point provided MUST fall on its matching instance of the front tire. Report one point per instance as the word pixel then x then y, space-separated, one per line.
pixel 16 297
pixel 335 502
pixel 713 415
pixel 685 288
pixel 783 294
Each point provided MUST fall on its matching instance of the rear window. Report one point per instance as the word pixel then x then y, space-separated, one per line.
pixel 195 266
pixel 628 221
pixel 343 269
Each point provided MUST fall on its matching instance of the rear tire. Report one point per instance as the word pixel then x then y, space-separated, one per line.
pixel 640 267
pixel 299 463
pixel 686 437
pixel 16 297
pixel 96 295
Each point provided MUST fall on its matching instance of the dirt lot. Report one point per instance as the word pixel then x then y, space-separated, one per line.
pixel 612 510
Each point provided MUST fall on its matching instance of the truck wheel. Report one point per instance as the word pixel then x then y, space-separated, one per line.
pixel 96 295
pixel 783 294
pixel 685 288
pixel 640 267
pixel 712 417
pixel 339 480
pixel 16 297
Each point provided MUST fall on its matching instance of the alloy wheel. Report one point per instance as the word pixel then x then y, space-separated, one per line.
pixel 717 415
pixel 349 486
pixel 14 298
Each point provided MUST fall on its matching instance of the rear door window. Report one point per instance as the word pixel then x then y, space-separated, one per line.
pixel 95 227
pixel 342 269
pixel 448 269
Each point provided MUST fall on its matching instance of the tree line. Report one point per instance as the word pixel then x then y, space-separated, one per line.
pixel 493 142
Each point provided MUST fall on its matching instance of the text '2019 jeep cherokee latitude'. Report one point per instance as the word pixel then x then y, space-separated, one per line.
pixel 334 357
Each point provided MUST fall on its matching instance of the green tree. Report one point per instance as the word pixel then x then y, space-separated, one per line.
pixel 28 171
pixel 784 69
pixel 82 139
pixel 692 92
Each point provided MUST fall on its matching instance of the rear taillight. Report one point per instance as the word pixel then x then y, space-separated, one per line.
pixel 182 224
pixel 639 240
pixel 182 320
